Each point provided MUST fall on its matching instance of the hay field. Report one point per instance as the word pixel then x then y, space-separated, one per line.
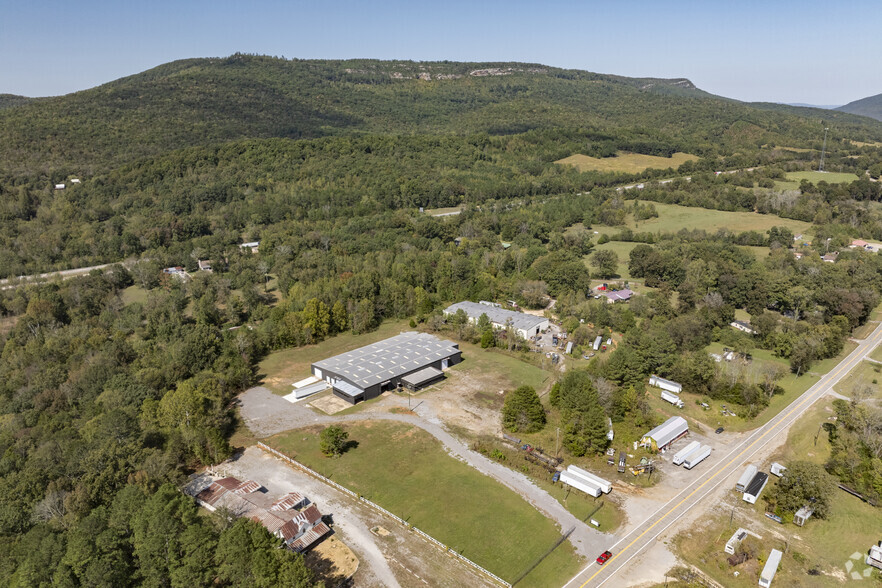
pixel 631 163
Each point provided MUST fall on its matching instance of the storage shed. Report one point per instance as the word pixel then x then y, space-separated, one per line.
pixel 526 325
pixel 369 371
pixel 802 515
pixel 666 433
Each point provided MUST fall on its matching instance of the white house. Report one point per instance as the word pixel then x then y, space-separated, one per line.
pixel 744 327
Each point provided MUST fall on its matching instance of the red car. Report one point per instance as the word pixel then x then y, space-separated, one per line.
pixel 604 557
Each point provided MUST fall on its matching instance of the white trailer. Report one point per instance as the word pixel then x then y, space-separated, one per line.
pixel 672 398
pixel 778 469
pixel 684 453
pixel 580 483
pixel 745 478
pixel 591 478
pixel 770 568
pixel 597 342
pixel 697 457
pixel 668 385
pixel 569 348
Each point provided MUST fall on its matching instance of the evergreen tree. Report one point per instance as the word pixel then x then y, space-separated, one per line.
pixel 523 411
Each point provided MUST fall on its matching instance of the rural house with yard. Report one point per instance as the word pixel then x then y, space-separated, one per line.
pixel 411 359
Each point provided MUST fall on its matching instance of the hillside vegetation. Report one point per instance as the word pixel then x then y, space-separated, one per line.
pixel 202 101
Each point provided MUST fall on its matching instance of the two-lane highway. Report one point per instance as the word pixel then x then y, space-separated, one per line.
pixel 716 471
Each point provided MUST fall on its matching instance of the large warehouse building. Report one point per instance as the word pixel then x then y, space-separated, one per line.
pixel 526 325
pixel 412 359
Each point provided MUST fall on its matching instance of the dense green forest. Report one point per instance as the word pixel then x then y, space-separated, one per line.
pixel 116 385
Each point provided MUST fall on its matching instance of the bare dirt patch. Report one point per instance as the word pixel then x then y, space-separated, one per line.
pixel 468 400
pixel 332 561
pixel 330 404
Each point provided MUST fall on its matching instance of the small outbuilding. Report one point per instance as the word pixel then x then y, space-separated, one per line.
pixel 666 433
pixel 802 515
pixel 875 557
pixel 777 469
pixel 743 326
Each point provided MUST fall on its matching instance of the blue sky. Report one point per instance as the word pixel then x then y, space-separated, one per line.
pixel 809 51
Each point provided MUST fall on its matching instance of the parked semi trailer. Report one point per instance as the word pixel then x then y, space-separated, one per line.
pixel 580 483
pixel 672 398
pixel 697 457
pixel 684 453
pixel 591 478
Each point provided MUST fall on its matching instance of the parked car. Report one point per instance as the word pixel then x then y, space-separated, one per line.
pixel 604 557
pixel 719 430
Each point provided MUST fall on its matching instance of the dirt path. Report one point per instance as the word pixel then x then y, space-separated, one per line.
pixel 267 414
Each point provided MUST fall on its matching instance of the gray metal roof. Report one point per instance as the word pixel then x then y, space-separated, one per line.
pixel 422 376
pixel 499 316
pixel 379 362
pixel 668 430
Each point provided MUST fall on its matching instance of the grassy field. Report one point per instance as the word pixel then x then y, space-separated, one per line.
pixel 672 218
pixel 134 294
pixel 864 331
pixel 507 372
pixel 441 211
pixel 864 377
pixel 815 177
pixel 622 249
pixel 408 472
pixel 712 418
pixel 282 368
pixel 631 163
pixel 827 544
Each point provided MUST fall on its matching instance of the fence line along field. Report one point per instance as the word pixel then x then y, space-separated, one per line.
pixel 631 163
pixel 406 471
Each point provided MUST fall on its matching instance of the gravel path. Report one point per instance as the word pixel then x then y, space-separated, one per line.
pixel 267 414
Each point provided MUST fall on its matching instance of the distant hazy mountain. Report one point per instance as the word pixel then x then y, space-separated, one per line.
pixel 824 106
pixel 871 106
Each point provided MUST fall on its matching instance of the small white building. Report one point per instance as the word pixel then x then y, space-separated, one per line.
pixel 777 469
pixel 802 515
pixel 75 180
pixel 744 327
pixel 736 539
pixel 254 246
pixel 875 557
pixel 666 433
pixel 770 569
pixel 59 186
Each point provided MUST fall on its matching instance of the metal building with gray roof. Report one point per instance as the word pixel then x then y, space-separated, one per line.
pixel 368 371
pixel 525 324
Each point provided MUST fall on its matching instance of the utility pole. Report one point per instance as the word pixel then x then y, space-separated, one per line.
pixel 823 151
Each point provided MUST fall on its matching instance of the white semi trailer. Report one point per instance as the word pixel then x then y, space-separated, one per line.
pixel 672 398
pixel 684 453
pixel 697 457
pixel 580 483
pixel 591 478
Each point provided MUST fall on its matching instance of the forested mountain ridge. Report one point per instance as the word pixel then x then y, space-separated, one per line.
pixel 870 106
pixel 202 101
pixel 10 100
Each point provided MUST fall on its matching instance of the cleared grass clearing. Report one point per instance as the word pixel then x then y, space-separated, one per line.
pixel 134 294
pixel 816 176
pixel 631 163
pixel 826 544
pixel 407 471
pixel 622 249
pixel 672 218
pixel 506 371
pixel 281 369
pixel 863 379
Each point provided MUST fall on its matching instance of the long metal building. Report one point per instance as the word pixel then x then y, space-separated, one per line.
pixel 666 433
pixel 526 325
pixel 412 359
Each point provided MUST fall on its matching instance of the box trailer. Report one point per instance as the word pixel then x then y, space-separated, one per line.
pixel 597 343
pixel 672 398
pixel 698 456
pixel 668 385
pixel 684 453
pixel 580 483
pixel 770 568
pixel 745 478
pixel 597 480
pixel 569 348
pixel 755 488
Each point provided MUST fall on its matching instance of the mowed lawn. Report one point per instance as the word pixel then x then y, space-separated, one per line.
pixel 816 176
pixel 631 163
pixel 407 471
pixel 282 368
pixel 622 249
